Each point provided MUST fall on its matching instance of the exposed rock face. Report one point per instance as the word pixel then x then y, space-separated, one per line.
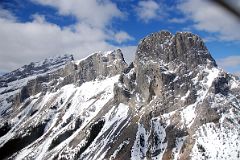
pixel 161 57
pixel 172 102
pixel 175 82
pixel 52 74
pixel 101 65
pixel 184 47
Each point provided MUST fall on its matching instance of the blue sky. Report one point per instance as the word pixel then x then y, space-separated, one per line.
pixel 32 30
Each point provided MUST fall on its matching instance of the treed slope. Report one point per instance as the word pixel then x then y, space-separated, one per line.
pixel 172 102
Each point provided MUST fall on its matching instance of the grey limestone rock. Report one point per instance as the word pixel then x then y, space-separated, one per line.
pixel 171 102
pixel 100 65
pixel 54 73
pixel 170 74
pixel 161 57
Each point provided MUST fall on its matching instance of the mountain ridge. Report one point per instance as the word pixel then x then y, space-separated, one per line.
pixel 171 102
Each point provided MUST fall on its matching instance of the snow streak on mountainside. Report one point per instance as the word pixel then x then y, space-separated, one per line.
pixel 172 102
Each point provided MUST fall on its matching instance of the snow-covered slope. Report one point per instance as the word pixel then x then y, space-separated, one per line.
pixel 172 102
pixel 69 110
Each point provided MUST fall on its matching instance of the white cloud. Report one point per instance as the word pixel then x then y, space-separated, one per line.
pixel 38 18
pixel 231 64
pixel 177 20
pixel 231 61
pixel 211 18
pixel 147 10
pixel 92 12
pixel 6 14
pixel 122 36
pixel 24 42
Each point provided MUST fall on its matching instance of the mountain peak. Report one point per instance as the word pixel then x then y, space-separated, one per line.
pixel 183 47
pixel 173 102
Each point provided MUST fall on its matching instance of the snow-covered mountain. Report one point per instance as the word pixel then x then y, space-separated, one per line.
pixel 172 102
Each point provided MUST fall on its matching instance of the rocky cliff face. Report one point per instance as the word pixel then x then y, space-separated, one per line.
pixel 172 102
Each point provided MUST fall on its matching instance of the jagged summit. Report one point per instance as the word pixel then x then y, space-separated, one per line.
pixel 183 47
pixel 172 102
pixel 172 60
pixel 112 54
pixel 100 64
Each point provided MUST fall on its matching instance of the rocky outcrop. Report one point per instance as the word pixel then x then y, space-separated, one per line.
pixel 165 48
pixel 101 65
pixel 52 74
pixel 174 79
pixel 162 57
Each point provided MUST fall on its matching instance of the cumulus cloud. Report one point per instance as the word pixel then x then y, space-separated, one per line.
pixel 231 61
pixel 6 14
pixel 177 20
pixel 24 42
pixel 30 41
pixel 210 17
pixel 147 10
pixel 92 12
pixel 122 36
